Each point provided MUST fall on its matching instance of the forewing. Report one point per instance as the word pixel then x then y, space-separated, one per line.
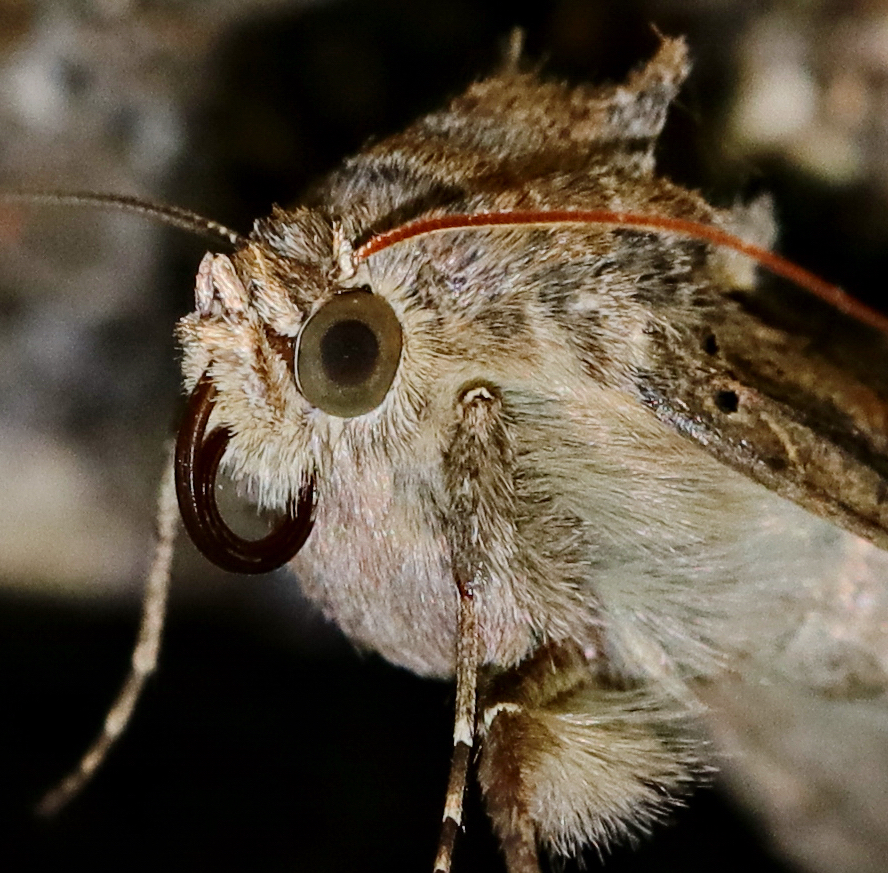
pixel 789 392
pixel 795 395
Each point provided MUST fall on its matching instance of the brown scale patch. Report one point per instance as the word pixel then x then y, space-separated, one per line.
pixel 595 355
pixel 504 321
pixel 506 793
pixel 560 290
pixel 283 346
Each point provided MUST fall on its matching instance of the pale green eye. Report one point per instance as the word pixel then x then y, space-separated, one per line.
pixel 347 354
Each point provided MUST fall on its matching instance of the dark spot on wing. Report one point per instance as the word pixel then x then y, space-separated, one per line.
pixel 727 401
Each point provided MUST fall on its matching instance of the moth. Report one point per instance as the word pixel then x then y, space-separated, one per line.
pixel 532 420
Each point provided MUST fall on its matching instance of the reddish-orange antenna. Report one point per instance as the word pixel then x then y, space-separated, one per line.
pixel 827 292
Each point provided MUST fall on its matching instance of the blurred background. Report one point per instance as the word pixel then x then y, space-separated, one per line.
pixel 264 741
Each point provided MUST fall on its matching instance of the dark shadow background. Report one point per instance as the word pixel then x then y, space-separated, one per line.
pixel 264 742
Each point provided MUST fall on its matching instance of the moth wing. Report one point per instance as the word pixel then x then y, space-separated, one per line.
pixel 810 768
pixel 795 395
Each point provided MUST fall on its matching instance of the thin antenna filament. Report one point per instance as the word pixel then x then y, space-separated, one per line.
pixel 174 216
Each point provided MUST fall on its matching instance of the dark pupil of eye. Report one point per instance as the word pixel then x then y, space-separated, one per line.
pixel 349 351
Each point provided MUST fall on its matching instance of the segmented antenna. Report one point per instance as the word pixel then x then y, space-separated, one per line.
pixel 174 216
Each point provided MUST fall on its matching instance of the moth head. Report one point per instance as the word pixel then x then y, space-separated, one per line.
pixel 288 352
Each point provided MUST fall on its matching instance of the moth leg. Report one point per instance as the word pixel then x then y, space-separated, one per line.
pixel 145 652
pixel 571 757
pixel 463 728
pixel 508 734
pixel 505 787
pixel 476 463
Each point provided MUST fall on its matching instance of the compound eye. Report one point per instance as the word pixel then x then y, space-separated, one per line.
pixel 347 354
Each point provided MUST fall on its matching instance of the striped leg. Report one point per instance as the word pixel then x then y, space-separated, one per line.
pixel 477 466
pixel 463 728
